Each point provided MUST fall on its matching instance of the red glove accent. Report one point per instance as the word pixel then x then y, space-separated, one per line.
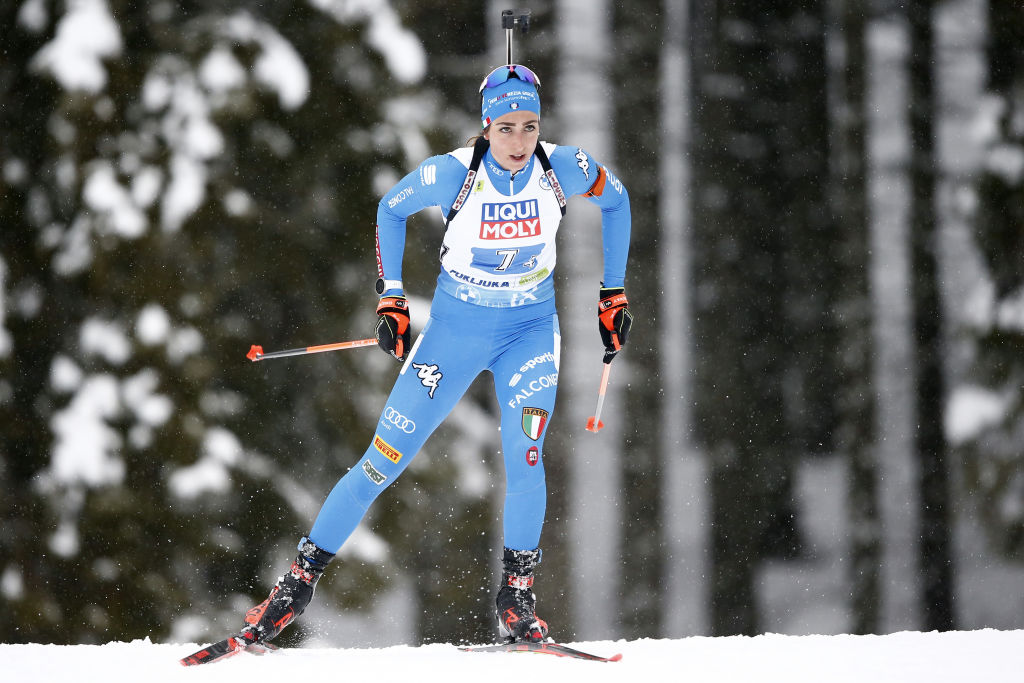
pixel 393 325
pixel 614 320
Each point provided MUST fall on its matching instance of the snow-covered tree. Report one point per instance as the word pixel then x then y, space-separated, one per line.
pixel 178 183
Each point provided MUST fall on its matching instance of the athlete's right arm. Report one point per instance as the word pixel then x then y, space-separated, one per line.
pixel 435 183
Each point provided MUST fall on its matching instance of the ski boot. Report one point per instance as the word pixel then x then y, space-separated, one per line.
pixel 289 596
pixel 516 603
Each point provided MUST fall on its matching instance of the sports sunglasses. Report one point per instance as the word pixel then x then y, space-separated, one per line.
pixel 503 73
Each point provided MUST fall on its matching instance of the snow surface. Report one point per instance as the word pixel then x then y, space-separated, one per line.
pixel 988 655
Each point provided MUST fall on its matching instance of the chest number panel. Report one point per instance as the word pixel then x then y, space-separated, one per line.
pixel 509 261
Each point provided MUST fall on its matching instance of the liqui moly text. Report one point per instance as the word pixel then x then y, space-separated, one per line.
pixel 510 220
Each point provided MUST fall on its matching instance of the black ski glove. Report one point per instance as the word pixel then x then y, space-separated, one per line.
pixel 614 320
pixel 393 325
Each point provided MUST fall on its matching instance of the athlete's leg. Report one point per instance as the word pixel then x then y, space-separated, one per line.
pixel 435 376
pixel 450 352
pixel 526 379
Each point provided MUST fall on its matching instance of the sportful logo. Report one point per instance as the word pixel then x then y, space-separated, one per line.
pixel 428 174
pixel 429 376
pixel 547 357
pixel 532 456
pixel 510 220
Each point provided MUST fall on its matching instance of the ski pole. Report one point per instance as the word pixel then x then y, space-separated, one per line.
pixel 256 352
pixel 594 423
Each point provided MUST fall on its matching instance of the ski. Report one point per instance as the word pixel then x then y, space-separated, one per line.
pixel 232 645
pixel 223 649
pixel 555 649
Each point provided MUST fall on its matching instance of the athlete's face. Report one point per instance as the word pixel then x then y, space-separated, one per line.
pixel 513 138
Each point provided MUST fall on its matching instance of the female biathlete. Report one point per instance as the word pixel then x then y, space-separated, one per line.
pixel 493 309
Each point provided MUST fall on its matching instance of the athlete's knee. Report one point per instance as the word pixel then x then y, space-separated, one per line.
pixel 524 472
pixel 365 482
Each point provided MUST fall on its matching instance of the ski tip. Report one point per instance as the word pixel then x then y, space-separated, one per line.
pixel 194 659
pixel 215 652
pixel 616 657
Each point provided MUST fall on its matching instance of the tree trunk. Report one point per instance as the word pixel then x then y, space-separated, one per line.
pixel 584 117
pixel 684 472
pixel 855 436
pixel 935 556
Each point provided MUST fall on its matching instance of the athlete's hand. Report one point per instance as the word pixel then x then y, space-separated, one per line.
pixel 393 325
pixel 614 320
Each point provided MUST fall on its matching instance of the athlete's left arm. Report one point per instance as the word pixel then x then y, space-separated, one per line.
pixel 579 173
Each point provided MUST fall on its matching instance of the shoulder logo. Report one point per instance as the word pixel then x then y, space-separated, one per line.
pixel 428 174
pixel 583 161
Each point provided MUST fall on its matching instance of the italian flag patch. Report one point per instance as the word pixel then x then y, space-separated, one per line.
pixel 534 420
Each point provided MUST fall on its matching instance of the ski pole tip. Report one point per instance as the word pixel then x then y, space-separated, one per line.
pixel 594 425
pixel 255 353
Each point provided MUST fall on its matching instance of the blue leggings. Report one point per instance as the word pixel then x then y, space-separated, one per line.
pixel 520 347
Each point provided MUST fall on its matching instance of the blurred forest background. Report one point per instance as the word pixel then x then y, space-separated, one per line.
pixel 817 425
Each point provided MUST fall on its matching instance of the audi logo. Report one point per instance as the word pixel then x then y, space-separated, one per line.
pixel 394 417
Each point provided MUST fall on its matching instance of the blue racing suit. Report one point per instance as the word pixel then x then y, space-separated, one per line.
pixel 493 309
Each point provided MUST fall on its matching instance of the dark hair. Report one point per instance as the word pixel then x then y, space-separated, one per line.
pixel 472 141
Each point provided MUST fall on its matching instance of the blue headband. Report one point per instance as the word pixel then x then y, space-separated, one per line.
pixel 512 95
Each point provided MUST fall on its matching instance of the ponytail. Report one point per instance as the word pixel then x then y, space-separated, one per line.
pixel 472 141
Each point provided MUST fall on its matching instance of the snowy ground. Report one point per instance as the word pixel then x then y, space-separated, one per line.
pixel 988 655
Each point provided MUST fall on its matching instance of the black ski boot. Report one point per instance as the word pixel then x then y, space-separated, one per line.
pixel 517 620
pixel 289 596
